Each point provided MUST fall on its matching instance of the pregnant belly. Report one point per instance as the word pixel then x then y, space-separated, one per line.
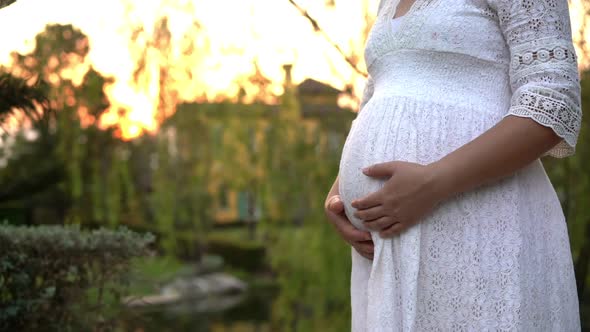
pixel 404 129
pixel 353 184
pixel 361 149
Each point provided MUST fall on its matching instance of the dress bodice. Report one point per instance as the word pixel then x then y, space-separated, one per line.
pixel 395 22
pixel 510 54
pixel 467 27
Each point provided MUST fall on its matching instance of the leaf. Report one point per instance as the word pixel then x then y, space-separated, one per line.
pixel 49 292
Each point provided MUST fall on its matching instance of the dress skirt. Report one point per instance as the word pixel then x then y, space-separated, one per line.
pixel 496 258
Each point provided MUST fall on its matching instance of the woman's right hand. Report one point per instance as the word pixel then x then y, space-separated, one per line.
pixel 334 210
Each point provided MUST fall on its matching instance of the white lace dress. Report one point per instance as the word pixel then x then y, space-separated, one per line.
pixel 492 259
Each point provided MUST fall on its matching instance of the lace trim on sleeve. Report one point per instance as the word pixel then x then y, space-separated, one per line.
pixel 543 70
pixel 550 109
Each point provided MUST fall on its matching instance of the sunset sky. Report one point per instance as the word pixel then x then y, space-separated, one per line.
pixel 240 31
pixel 271 32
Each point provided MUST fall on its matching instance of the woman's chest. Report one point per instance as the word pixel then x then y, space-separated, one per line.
pixel 467 27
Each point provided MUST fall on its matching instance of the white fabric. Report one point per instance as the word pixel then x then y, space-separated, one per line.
pixel 492 259
pixel 395 23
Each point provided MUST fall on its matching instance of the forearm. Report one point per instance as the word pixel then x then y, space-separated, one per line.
pixel 502 150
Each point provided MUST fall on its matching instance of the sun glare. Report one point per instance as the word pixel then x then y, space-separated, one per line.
pixel 229 38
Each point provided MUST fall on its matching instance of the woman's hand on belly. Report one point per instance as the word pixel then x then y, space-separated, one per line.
pixel 334 210
pixel 408 195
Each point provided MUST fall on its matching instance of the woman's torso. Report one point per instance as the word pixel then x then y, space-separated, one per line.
pixel 468 27
pixel 441 78
pixel 451 51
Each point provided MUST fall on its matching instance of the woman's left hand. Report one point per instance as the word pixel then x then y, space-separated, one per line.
pixel 411 191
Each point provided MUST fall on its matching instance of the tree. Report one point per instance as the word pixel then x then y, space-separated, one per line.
pixel 6 3
pixel 355 56
pixel 73 167
pixel 164 61
pixel 28 104
pixel 17 95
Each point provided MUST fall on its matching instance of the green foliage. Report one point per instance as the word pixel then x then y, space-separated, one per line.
pixel 46 271
pixel 288 171
pixel 313 267
pixel 239 253
pixel 18 94
pixel 571 179
pixel 20 97
pixel 147 274
pixel 74 171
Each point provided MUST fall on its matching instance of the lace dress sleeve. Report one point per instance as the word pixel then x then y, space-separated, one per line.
pixel 543 72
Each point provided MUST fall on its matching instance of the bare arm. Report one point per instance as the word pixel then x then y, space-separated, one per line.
pixel 505 148
pixel 545 83
pixel 544 118
pixel 413 190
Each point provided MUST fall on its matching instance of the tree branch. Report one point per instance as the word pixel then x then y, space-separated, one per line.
pixel 5 3
pixel 318 29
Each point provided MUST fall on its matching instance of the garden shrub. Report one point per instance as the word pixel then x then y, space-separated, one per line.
pixel 48 273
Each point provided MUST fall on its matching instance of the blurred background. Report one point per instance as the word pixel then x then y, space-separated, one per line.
pixel 214 125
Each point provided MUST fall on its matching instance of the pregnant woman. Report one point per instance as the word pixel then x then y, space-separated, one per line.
pixel 453 221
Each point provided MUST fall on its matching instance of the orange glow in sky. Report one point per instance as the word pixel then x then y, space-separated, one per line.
pixel 239 32
pixel 235 35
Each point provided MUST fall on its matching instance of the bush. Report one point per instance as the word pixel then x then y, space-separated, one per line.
pixel 47 272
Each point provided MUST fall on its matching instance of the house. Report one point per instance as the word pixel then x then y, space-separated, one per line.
pixel 237 138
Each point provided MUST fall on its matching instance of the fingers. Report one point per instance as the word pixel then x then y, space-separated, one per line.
pixel 335 204
pixel 351 233
pixel 365 249
pixel 392 230
pixel 368 201
pixel 367 256
pixel 380 170
pixel 365 246
pixel 371 213
pixel 379 224
pixel 346 228
pixel 360 240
